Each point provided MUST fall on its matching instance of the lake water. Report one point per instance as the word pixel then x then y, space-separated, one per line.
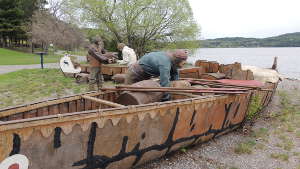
pixel 288 58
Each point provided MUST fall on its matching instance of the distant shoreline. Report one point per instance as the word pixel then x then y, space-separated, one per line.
pixel 285 40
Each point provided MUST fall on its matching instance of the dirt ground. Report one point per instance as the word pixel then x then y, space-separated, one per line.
pixel 273 141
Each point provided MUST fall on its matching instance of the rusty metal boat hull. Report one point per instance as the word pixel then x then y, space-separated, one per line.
pixel 74 133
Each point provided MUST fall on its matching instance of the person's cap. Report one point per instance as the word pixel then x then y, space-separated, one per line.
pixel 181 54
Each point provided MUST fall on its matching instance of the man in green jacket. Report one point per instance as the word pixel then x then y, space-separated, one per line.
pixel 164 65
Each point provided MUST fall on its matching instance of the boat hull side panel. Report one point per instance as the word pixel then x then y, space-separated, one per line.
pixel 116 142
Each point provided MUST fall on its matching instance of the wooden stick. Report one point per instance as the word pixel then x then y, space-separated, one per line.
pixel 204 80
pixel 187 94
pixel 175 90
pixel 102 101
pixel 235 86
pixel 180 88
pixel 220 85
pixel 223 84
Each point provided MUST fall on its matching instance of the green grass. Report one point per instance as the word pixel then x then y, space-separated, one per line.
pixel 245 147
pixel 78 52
pixel 296 154
pixel 254 107
pixel 10 57
pixel 288 120
pixel 298 134
pixel 261 133
pixel 280 156
pixel 33 85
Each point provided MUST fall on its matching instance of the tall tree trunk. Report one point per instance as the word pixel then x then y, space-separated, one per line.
pixel 1 41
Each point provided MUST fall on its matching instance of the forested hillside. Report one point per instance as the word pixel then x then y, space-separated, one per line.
pixel 285 40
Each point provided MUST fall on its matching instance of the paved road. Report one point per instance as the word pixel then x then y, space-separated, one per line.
pixel 13 68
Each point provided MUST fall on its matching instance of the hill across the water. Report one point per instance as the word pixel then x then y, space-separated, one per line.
pixel 285 40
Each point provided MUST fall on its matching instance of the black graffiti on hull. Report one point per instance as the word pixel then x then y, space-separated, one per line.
pixel 57 137
pixel 16 145
pixel 101 162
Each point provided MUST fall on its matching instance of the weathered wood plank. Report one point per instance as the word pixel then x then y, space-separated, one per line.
pixel 53 109
pixel 72 106
pixel 109 103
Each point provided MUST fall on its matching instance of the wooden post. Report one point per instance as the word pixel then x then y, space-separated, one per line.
pixel 274 66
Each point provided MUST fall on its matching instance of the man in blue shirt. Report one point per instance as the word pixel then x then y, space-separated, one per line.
pixel 154 64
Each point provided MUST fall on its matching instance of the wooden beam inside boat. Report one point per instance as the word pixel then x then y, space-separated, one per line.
pixel 188 95
pixel 102 101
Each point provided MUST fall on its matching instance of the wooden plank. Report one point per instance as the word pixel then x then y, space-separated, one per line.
pixel 212 76
pixel 87 104
pixel 124 70
pixel 18 116
pixel 213 67
pixel 53 109
pixel 110 97
pixel 103 101
pixel 250 75
pixel 80 105
pixel 94 105
pixel 43 111
pixel 64 108
pixel 106 70
pixel 3 119
pixel 116 70
pixel 72 106
pixel 30 114
pixel 101 106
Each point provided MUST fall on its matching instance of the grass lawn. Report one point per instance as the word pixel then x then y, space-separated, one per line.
pixel 10 57
pixel 33 85
pixel 78 52
pixel 36 84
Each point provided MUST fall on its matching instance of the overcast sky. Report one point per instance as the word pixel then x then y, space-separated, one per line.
pixel 246 18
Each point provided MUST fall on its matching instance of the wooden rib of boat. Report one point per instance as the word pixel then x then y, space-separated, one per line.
pixel 83 131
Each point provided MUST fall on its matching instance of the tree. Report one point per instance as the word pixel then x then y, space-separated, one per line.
pixel 14 16
pixel 141 23
pixel 11 18
pixel 47 29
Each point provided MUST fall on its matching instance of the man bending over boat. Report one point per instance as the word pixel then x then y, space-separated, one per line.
pixel 97 56
pixel 129 56
pixel 154 64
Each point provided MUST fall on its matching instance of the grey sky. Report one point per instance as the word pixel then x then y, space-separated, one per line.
pixel 246 18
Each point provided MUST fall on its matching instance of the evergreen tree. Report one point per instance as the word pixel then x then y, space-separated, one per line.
pixel 14 15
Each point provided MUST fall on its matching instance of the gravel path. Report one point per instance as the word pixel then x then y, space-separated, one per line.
pixel 13 68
